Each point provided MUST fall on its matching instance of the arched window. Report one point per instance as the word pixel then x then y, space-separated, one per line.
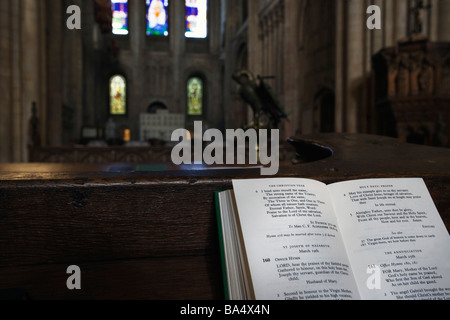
pixel 155 106
pixel 117 95
pixel 157 17
pixel 195 96
pixel 196 19
pixel 119 17
pixel 325 104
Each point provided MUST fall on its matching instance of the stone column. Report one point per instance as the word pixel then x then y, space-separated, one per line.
pixel 280 47
pixel 340 66
pixel 444 21
pixel 178 47
pixel 54 72
pixel 16 81
pixel 43 60
pixel 255 39
pixel 401 19
pixel 229 92
pixel 29 38
pixel 265 44
pixel 256 43
pixel 215 38
pixel 5 82
pixel 389 27
pixel 291 37
pixel 214 86
pixel 271 47
pixel 434 20
pixel 136 87
pixel 377 36
pixel 356 26
pixel 72 75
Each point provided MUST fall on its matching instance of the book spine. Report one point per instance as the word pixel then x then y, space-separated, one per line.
pixel 221 245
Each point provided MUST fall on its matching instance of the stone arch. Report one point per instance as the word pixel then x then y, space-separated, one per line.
pixel 317 66
pixel 242 57
pixel 155 106
pixel 301 24
pixel 325 110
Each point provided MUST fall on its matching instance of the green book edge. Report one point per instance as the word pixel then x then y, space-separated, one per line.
pixel 222 248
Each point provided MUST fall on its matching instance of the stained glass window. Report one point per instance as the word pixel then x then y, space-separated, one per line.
pixel 196 18
pixel 195 96
pixel 118 95
pixel 157 17
pixel 120 17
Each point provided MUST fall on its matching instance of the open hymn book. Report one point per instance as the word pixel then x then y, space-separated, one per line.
pixel 298 239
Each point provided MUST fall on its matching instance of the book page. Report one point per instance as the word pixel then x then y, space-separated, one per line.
pixel 396 241
pixel 292 242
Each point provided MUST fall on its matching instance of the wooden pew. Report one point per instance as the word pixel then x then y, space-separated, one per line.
pixel 153 235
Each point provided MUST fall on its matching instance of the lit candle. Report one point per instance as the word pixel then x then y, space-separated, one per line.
pixel 127 135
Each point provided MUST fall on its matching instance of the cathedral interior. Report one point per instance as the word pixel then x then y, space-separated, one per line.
pixel 70 78
pixel 91 92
